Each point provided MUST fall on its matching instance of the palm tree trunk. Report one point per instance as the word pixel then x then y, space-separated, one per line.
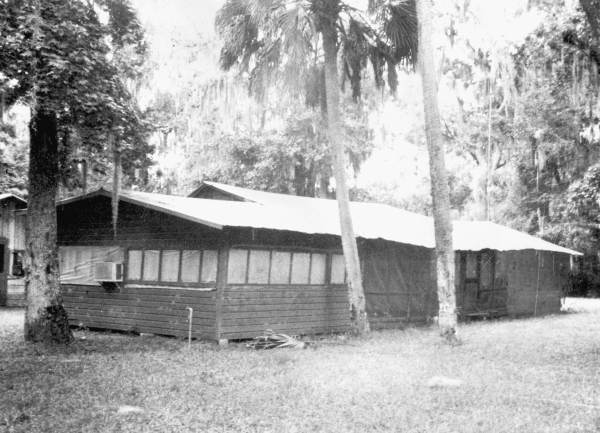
pixel 45 317
pixel 355 287
pixel 439 180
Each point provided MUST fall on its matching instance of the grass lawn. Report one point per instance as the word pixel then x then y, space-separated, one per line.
pixel 530 375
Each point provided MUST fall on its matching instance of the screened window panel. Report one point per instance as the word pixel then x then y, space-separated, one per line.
pixel 151 258
pixel 487 267
pixel 258 270
pixel 317 268
pixel 236 272
pixel 190 266
pixel 209 266
pixel 300 267
pixel 77 264
pixel 84 269
pixel 280 267
pixel 471 271
pixel 169 267
pixel 134 265
pixel 338 269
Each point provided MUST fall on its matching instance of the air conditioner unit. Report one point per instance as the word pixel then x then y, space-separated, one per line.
pixel 108 272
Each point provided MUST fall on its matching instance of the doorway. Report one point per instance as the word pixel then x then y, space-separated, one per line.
pixel 479 295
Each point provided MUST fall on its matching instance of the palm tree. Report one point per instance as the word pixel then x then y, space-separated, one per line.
pixel 439 179
pixel 283 42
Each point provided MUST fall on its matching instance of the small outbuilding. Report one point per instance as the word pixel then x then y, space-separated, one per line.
pixel 245 261
pixel 12 246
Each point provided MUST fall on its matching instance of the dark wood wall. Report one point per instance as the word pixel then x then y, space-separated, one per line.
pixel 137 307
pixel 250 310
pixel 142 309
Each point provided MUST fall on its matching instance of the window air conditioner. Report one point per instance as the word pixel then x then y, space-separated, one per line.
pixel 108 272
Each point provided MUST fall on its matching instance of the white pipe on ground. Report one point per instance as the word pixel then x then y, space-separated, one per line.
pixel 191 315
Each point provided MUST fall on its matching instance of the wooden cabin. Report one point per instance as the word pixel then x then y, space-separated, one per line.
pixel 246 261
pixel 12 247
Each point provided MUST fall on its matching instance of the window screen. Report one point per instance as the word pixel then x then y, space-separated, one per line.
pixel 169 267
pixel 258 269
pixel 280 267
pixel 300 265
pixel 190 266
pixel 151 265
pixel 317 268
pixel 209 266
pixel 338 269
pixel 471 265
pixel 236 272
pixel 134 265
pixel 77 264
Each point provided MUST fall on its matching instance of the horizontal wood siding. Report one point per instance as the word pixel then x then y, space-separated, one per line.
pixel 153 310
pixel 16 292
pixel 249 310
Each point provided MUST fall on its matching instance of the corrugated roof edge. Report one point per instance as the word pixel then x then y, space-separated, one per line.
pixel 470 244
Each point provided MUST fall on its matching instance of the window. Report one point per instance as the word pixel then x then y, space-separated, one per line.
pixel 151 259
pixel 169 266
pixel 190 266
pixel 134 265
pixel 258 267
pixel 76 264
pixel 318 265
pixel 17 264
pixel 338 269
pixel 209 266
pixel 280 267
pixel 300 268
pixel 254 266
pixel 238 262
pixel 176 266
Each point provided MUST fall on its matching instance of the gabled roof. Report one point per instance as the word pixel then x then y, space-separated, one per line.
pixel 21 203
pixel 320 216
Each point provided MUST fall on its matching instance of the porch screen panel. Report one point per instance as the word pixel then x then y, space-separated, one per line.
pixel 134 265
pixel 238 261
pixel 487 269
pixel 280 267
pixel 258 269
pixel 209 266
pixel 338 269
pixel 317 268
pixel 151 263
pixel 190 266
pixel 471 265
pixel 169 267
pixel 300 268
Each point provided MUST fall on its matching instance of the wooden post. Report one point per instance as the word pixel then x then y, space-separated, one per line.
pixel 222 261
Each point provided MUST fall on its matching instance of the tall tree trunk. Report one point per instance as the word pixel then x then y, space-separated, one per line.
pixel 440 192
pixel 356 291
pixel 116 183
pixel 45 317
